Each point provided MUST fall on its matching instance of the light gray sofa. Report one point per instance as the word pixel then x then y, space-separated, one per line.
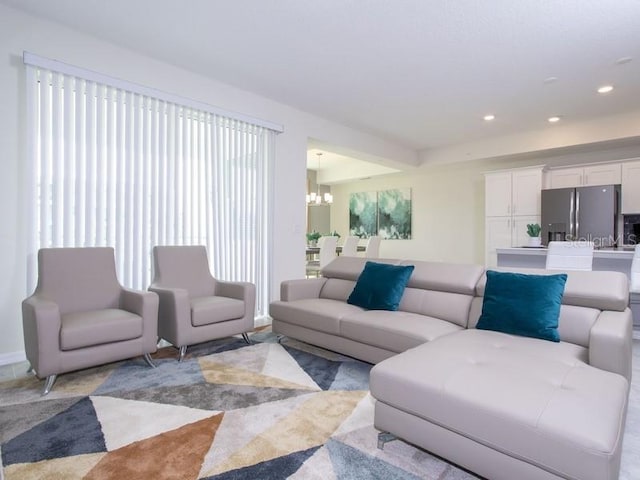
pixel 500 405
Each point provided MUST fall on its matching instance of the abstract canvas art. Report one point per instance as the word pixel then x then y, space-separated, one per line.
pixel 394 213
pixel 363 214
pixel 386 213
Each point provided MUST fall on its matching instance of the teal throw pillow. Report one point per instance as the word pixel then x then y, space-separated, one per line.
pixel 523 304
pixel 380 286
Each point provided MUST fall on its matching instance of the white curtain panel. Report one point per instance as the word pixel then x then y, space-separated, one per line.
pixel 109 166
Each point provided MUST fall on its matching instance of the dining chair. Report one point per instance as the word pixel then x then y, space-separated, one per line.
pixel 373 247
pixel 80 316
pixel 569 256
pixel 350 246
pixel 195 307
pixel 327 246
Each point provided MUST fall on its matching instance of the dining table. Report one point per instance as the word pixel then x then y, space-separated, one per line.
pixel 314 250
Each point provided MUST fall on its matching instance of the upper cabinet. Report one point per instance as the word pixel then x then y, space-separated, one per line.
pixel 588 175
pixel 631 187
pixel 516 192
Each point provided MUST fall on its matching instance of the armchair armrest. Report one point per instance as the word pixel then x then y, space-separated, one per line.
pixel 144 304
pixel 41 324
pixel 611 342
pixel 174 303
pixel 237 290
pixel 298 289
pixel 241 291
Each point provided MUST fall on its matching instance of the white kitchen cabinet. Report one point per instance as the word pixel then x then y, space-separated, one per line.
pixel 631 187
pixel 515 192
pixel 587 175
pixel 505 232
pixel 512 200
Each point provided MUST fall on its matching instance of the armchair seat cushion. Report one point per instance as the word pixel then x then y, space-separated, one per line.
pixel 97 327
pixel 207 310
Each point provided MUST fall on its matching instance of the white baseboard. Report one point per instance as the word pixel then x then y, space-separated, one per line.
pixel 636 334
pixel 262 321
pixel 13 357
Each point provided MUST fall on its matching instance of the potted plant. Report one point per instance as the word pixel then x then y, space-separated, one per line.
pixel 533 230
pixel 313 237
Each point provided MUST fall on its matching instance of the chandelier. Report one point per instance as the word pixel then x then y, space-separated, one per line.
pixel 315 198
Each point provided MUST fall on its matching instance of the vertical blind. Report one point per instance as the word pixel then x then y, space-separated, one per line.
pixel 114 167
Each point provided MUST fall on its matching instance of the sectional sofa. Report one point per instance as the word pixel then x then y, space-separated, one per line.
pixel 504 406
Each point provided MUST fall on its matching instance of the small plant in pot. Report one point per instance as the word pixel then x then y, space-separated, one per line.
pixel 533 230
pixel 313 237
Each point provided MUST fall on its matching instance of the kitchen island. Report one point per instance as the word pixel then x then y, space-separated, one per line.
pixel 613 259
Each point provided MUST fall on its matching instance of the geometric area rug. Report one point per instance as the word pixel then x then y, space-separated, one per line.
pixel 228 411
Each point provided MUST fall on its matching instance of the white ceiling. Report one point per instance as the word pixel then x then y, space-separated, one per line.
pixel 417 72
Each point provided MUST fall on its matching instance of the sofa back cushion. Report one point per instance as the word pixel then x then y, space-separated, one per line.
pixel 586 294
pixel 437 289
pixel 453 307
pixel 337 289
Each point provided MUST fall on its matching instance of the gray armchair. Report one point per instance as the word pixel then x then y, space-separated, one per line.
pixel 194 306
pixel 80 316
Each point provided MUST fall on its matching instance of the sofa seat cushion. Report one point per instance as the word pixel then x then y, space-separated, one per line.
pixel 396 331
pixel 96 327
pixel 214 309
pixel 528 398
pixel 321 314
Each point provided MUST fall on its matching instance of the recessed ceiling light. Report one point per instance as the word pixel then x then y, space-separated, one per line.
pixel 489 117
pixel 553 119
pixel 623 60
pixel 605 89
pixel 550 79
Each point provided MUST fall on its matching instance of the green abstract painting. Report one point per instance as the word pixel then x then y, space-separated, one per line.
pixel 363 214
pixel 394 214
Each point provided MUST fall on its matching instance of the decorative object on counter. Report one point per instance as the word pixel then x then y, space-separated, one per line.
pixel 335 234
pixel 386 214
pixel 312 238
pixel 533 230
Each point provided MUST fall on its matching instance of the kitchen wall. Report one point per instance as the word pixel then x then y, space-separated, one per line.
pixel 20 32
pixel 448 203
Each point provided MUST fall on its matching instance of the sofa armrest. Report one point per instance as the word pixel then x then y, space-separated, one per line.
pixel 298 289
pixel 611 342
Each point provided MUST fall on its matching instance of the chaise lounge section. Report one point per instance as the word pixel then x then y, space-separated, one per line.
pixel 502 405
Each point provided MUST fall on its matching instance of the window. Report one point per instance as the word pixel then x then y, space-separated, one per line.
pixel 115 164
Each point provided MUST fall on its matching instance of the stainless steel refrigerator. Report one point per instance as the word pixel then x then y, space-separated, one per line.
pixel 582 213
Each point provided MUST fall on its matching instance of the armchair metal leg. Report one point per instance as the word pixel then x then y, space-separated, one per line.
pixel 246 338
pixel 183 351
pixel 147 358
pixel 48 384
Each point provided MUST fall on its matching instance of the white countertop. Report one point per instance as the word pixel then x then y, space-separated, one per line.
pixel 597 253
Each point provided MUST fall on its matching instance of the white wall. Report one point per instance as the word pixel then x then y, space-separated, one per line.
pixel 20 32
